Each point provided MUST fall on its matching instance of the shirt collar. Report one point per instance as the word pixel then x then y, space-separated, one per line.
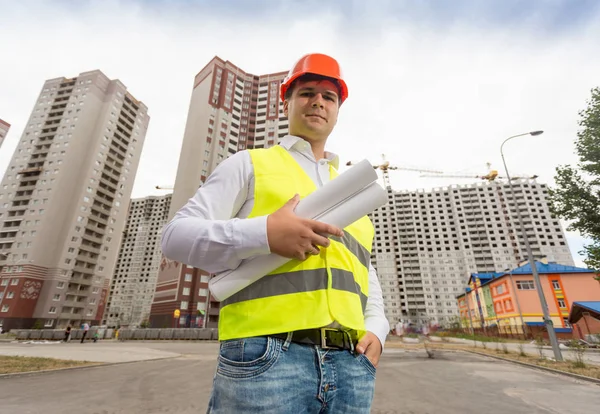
pixel 290 142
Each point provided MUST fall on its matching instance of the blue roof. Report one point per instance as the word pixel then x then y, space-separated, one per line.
pixel 550 268
pixel 579 308
pixel 593 306
pixel 542 268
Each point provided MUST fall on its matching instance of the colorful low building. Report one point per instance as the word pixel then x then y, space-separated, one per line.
pixel 509 300
pixel 585 319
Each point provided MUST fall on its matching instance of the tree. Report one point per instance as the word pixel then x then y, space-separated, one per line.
pixel 577 194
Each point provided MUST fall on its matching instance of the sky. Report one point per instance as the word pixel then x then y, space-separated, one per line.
pixel 433 84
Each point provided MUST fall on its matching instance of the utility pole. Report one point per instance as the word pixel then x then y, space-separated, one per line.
pixel 536 277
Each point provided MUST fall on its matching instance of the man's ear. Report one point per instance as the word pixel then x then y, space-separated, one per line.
pixel 285 107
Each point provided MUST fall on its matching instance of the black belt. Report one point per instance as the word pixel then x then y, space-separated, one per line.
pixel 325 338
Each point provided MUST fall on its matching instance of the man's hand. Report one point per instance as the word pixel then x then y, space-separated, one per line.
pixel 371 347
pixel 295 237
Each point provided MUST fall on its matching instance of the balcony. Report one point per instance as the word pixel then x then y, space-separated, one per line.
pixel 69 315
pixel 31 170
pixel 81 280
pixel 74 304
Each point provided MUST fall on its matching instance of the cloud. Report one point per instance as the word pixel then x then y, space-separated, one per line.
pixel 433 84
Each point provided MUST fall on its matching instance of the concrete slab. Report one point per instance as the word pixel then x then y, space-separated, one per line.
pixel 88 351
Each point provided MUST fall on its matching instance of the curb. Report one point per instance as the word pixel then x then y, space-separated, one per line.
pixel 93 365
pixel 552 370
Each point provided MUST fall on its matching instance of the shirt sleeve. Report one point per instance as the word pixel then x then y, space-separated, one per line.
pixel 205 234
pixel 375 320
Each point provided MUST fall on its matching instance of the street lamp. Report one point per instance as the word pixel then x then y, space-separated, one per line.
pixel 536 276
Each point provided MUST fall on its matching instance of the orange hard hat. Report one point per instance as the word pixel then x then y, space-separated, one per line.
pixel 316 64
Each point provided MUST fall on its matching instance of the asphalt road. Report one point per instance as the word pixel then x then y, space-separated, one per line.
pixel 407 382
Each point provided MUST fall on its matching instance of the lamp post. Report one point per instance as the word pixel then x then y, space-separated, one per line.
pixel 536 276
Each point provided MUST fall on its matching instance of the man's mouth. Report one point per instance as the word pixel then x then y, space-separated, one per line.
pixel 317 116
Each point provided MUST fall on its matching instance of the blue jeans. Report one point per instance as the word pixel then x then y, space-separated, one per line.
pixel 272 375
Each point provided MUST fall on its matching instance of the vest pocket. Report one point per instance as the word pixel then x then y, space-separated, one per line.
pixel 248 357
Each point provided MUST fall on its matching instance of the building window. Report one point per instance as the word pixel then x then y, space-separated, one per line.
pixel 49 323
pixel 500 289
pixel 186 291
pixel 555 285
pixel 203 292
pixel 14 282
pixel 188 277
pixel 52 309
pixel 525 285
pixel 184 305
pixel 10 295
pixel 60 285
pixel 4 308
pixel 561 303
pixel 56 297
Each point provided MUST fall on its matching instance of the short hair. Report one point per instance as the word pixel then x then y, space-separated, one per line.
pixel 309 77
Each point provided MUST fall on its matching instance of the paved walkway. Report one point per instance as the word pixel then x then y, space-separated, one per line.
pixel 407 383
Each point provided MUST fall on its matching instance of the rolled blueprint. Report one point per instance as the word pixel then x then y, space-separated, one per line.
pixel 345 212
pixel 336 191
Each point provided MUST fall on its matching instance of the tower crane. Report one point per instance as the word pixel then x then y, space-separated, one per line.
pixel 385 167
pixel 491 175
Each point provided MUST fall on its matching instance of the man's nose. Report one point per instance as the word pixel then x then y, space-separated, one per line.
pixel 317 101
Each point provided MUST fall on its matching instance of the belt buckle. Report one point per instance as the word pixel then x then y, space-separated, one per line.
pixel 324 338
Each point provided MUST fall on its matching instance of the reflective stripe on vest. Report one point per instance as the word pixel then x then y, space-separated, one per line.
pixel 362 254
pixel 296 282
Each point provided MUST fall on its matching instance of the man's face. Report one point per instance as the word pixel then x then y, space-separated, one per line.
pixel 312 110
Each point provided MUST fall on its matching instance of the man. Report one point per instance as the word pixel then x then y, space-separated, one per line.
pixel 86 328
pixel 308 336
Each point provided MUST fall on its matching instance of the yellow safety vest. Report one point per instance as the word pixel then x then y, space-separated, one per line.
pixel 332 286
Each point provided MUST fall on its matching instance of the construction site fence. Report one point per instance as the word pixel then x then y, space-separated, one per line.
pixel 505 332
pixel 124 334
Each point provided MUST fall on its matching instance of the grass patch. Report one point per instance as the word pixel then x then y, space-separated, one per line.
pixel 572 366
pixel 480 338
pixel 13 364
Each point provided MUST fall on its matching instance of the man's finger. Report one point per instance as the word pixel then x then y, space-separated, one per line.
pixel 323 229
pixel 292 202
pixel 318 240
pixel 373 354
pixel 300 256
pixel 313 250
pixel 363 344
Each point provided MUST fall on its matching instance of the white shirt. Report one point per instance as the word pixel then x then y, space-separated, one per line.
pixel 212 231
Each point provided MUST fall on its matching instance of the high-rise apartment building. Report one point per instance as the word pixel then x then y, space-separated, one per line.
pixel 4 127
pixel 428 243
pixel 63 201
pixel 230 110
pixel 134 279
